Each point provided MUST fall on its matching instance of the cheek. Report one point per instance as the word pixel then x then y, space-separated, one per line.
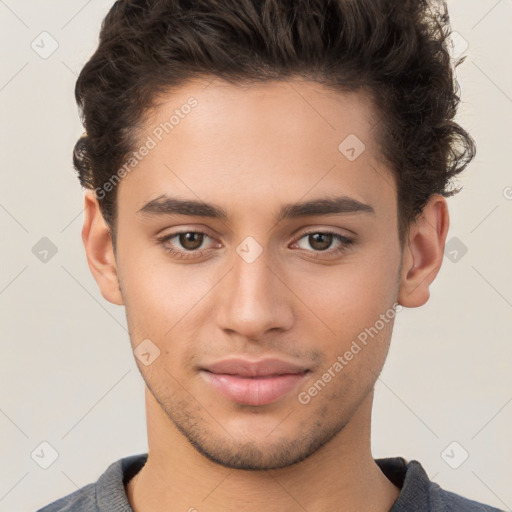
pixel 352 365
pixel 353 319
pixel 346 298
pixel 154 295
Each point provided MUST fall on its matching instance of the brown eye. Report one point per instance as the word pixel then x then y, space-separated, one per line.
pixel 185 244
pixel 319 244
pixel 320 241
pixel 191 240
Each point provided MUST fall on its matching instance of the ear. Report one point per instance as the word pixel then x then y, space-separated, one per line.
pixel 99 250
pixel 423 253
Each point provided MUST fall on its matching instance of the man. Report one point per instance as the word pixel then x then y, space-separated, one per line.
pixel 266 190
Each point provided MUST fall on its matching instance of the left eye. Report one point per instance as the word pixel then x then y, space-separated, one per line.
pixel 321 241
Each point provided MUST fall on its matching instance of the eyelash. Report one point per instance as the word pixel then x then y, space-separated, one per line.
pixel 345 245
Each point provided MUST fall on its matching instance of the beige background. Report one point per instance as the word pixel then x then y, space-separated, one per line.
pixel 68 376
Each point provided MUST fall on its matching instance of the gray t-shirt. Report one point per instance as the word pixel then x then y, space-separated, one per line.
pixel 417 494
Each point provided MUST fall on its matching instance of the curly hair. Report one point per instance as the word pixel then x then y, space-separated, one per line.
pixel 395 50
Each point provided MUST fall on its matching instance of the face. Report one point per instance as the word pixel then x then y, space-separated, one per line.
pixel 253 300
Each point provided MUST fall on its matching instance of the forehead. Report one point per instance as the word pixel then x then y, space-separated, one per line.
pixel 271 141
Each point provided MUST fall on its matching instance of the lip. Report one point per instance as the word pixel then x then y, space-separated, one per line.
pixel 247 368
pixel 253 382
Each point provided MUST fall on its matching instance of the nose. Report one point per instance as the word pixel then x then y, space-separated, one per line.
pixel 253 299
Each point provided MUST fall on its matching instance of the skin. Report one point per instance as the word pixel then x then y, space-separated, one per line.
pixel 251 149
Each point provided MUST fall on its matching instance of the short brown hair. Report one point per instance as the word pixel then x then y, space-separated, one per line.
pixel 394 49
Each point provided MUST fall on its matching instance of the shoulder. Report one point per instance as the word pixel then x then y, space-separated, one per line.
pixel 451 502
pixel 107 494
pixel 419 493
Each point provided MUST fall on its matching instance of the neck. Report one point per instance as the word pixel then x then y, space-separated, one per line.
pixel 341 475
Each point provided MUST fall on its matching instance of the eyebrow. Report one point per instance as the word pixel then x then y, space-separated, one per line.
pixel 166 205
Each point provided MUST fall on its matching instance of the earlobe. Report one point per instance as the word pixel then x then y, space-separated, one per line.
pixel 423 253
pixel 99 250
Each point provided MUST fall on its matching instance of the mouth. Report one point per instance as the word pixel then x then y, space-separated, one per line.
pixel 254 383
